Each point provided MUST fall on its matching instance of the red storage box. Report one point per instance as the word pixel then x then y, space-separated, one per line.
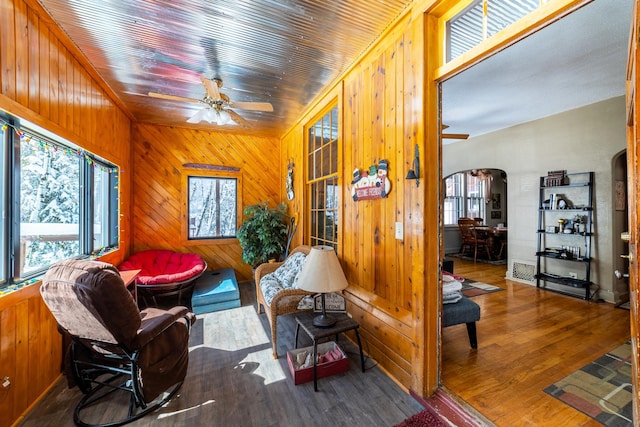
pixel 322 369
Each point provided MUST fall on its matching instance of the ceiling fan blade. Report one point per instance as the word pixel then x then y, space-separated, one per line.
pixel 211 87
pixel 238 119
pixel 172 97
pixel 252 106
pixel 455 135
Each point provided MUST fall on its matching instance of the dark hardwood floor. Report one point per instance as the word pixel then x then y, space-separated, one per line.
pixel 527 339
pixel 234 381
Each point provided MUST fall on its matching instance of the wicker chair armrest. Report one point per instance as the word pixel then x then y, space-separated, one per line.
pixel 288 294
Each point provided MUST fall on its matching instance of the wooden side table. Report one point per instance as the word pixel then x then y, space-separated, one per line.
pixel 343 324
pixel 129 279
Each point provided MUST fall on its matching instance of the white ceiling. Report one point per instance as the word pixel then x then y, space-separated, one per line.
pixel 576 61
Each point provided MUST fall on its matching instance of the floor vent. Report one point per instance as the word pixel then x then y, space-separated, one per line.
pixel 523 271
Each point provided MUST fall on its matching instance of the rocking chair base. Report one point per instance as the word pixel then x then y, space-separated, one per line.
pixel 134 412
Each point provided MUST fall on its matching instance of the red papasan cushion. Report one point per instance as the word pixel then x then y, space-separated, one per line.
pixel 162 266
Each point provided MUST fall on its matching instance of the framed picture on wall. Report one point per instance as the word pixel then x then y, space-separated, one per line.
pixel 495 201
pixel 496 214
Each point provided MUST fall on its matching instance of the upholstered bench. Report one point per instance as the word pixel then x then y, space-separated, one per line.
pixel 463 311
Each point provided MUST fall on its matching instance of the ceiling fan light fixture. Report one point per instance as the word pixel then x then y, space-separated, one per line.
pixel 224 118
pixel 198 116
pixel 211 115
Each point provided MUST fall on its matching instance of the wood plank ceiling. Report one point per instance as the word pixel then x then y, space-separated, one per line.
pixel 282 52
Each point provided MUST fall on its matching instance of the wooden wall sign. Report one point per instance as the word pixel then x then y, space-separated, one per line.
pixel 372 183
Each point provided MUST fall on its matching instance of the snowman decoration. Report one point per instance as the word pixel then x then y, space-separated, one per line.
pixel 372 183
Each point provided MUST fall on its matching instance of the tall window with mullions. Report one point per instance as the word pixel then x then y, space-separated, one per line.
pixel 322 179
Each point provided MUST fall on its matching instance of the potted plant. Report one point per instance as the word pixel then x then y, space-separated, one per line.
pixel 263 233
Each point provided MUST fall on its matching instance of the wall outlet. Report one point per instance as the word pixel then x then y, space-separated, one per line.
pixel 399 231
pixel 573 275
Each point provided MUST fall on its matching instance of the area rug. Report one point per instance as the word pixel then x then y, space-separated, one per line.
pixel 471 288
pixel 601 389
pixel 482 260
pixel 426 418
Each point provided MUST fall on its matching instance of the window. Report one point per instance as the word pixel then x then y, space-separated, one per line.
pixel 105 196
pixel 481 20
pixel 212 207
pixel 322 164
pixel 454 198
pixel 49 206
pixel 60 202
pixel 4 223
pixel 465 196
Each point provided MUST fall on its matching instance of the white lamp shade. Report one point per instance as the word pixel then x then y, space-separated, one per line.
pixel 322 272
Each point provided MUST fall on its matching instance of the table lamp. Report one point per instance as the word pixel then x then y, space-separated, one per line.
pixel 322 274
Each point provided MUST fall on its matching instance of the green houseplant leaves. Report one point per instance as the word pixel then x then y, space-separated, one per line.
pixel 263 233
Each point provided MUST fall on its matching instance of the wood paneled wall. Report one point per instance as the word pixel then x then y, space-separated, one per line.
pixel 159 154
pixel 383 118
pixel 44 80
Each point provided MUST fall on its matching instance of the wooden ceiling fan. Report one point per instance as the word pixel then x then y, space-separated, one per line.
pixel 217 105
pixel 453 135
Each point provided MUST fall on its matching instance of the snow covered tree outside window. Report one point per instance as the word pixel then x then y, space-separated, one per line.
pixel 59 202
pixel 212 207
pixel 49 206
pixel 101 192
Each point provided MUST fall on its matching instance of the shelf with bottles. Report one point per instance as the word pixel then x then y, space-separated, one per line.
pixel 567 253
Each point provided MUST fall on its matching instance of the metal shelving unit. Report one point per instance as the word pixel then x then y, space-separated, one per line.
pixel 565 220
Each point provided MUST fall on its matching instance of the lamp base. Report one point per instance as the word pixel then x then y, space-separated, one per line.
pixel 324 321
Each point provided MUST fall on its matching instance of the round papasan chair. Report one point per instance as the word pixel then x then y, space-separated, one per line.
pixel 166 277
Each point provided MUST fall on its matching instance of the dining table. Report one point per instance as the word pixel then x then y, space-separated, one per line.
pixel 496 238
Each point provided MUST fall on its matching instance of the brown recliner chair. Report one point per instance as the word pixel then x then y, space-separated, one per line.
pixel 115 347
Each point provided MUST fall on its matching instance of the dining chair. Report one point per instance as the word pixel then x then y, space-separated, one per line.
pixel 471 239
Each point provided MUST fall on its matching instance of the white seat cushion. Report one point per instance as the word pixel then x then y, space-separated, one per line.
pixel 285 277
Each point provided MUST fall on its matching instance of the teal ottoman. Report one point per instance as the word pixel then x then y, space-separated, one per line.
pixel 215 290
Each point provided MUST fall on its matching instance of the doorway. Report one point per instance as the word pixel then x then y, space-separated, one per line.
pixel 620 224
pixel 521 147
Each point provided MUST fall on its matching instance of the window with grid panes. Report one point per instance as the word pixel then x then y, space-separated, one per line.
pixel 322 180
pixel 465 196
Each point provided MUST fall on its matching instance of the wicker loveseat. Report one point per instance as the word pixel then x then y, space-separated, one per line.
pixel 276 289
